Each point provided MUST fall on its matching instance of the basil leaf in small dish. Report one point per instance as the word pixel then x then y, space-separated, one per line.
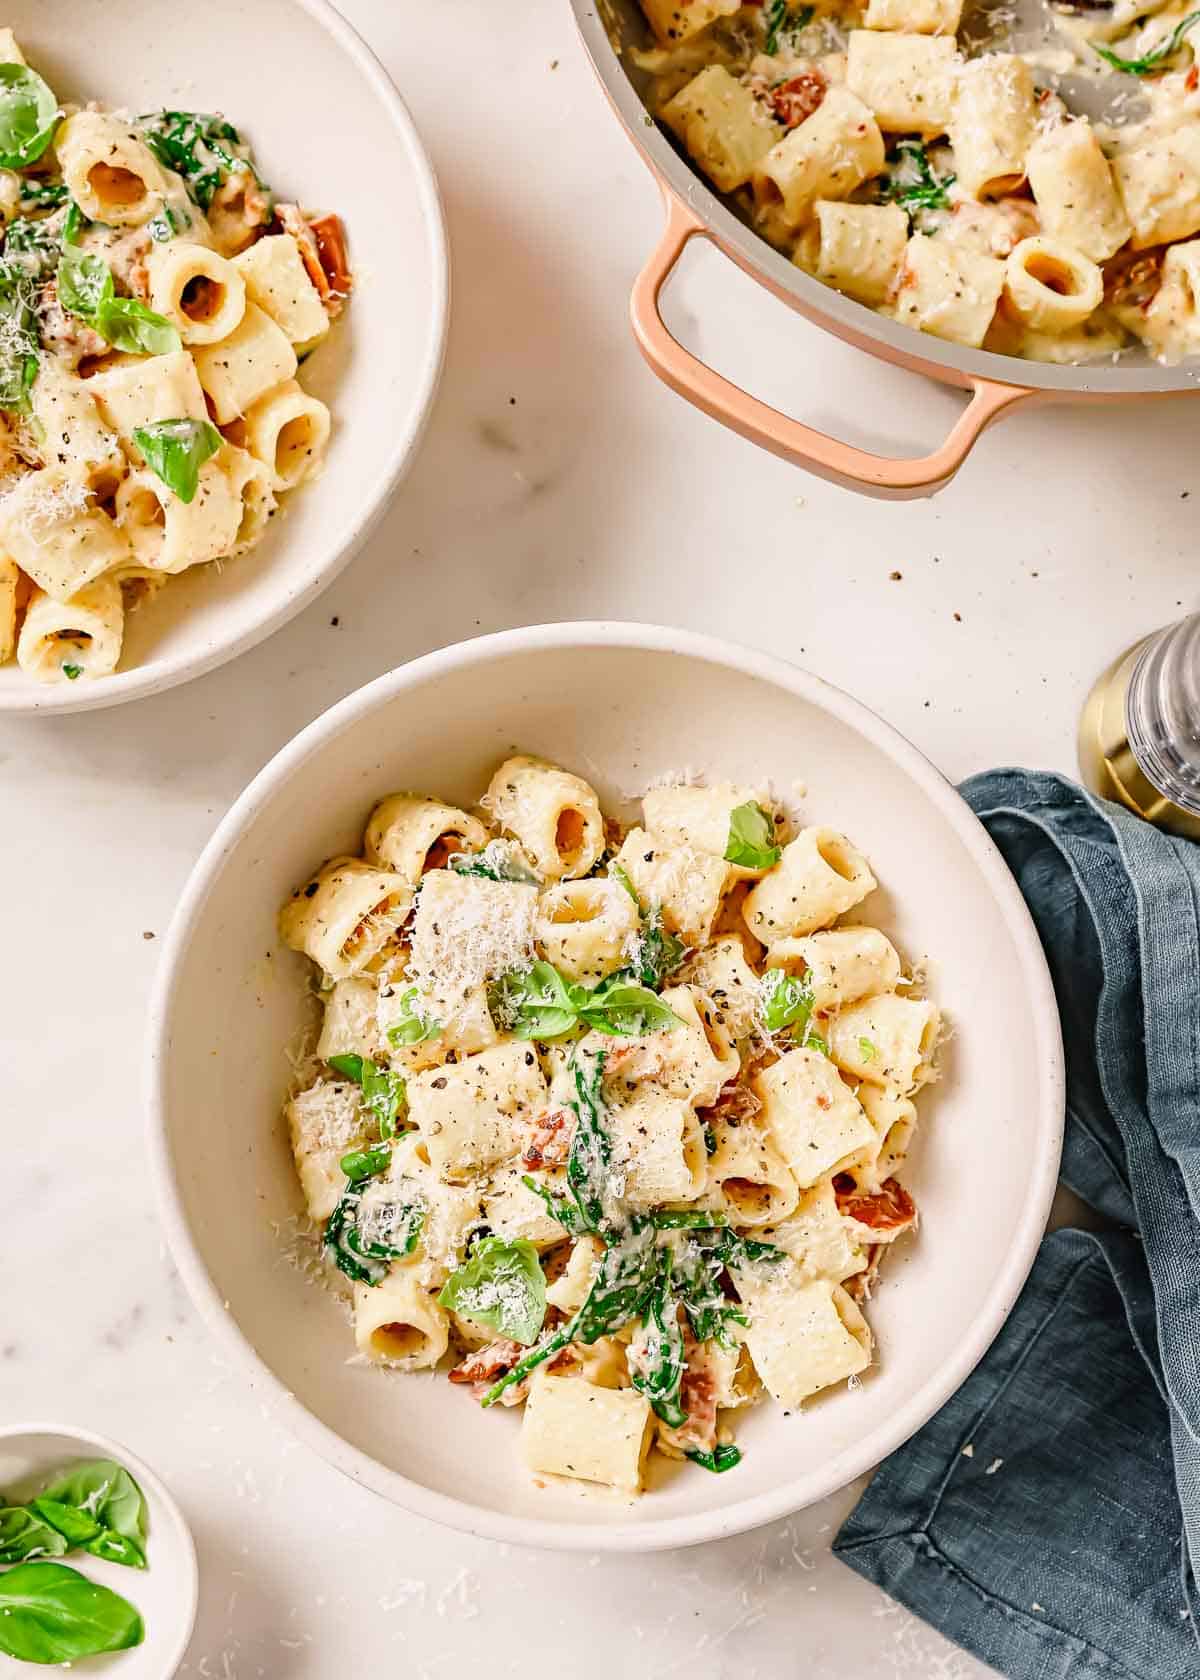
pixel 29 115
pixel 176 450
pixel 52 1614
pixel 25 1534
pixel 751 843
pixel 500 1285
pixel 105 1490
pixel 76 1526
pixel 117 1548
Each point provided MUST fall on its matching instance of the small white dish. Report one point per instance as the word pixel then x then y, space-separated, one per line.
pixel 165 1592
pixel 621 704
pixel 328 127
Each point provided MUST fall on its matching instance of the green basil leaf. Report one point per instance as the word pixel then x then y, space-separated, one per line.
pixel 366 1163
pixel 351 1066
pixel 128 325
pixel 76 1527
pixel 814 1041
pixel 723 1457
pixel 656 952
pixel 534 1002
pixel 85 283
pixel 24 1534
pixel 28 116
pixel 537 1002
pixel 72 671
pixel 384 1092
pixel 784 1002
pixel 751 842
pixel 117 1548
pixel 622 1008
pixel 500 860
pixel 106 1491
pixel 410 1026
pixel 176 450
pixel 501 1284
pixel 52 1614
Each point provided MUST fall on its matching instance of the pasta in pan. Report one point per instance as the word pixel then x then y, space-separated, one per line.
pixel 949 186
pixel 607 1120
pixel 155 304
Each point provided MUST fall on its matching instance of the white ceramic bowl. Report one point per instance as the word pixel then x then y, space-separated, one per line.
pixel 327 126
pixel 621 704
pixel 164 1592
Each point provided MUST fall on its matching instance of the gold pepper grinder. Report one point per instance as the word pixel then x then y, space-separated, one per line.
pixel 1139 736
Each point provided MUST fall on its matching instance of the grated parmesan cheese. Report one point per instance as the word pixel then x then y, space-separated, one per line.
pixel 327 1116
pixel 48 500
pixel 467 931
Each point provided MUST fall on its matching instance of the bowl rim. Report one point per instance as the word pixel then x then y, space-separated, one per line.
pixel 814 1483
pixel 188 1587
pixel 32 698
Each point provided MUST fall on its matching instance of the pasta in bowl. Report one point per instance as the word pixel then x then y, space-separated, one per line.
pixel 519 1114
pixel 194 433
pixel 950 186
pixel 609 1117
pixel 156 301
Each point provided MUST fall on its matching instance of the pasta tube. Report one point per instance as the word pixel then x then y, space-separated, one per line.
pixel 61 641
pixel 1050 286
pixel 201 293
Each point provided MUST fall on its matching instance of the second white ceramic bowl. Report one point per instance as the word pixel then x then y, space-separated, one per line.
pixel 328 128
pixel 621 704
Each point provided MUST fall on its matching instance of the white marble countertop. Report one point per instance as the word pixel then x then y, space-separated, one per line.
pixel 558 480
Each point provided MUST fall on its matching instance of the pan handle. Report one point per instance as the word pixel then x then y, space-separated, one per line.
pixel 855 469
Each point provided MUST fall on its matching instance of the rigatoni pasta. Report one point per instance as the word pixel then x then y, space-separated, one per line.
pixel 155 299
pixel 944 182
pixel 568 1141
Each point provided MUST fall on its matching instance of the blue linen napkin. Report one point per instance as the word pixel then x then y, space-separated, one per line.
pixel 1048 1518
